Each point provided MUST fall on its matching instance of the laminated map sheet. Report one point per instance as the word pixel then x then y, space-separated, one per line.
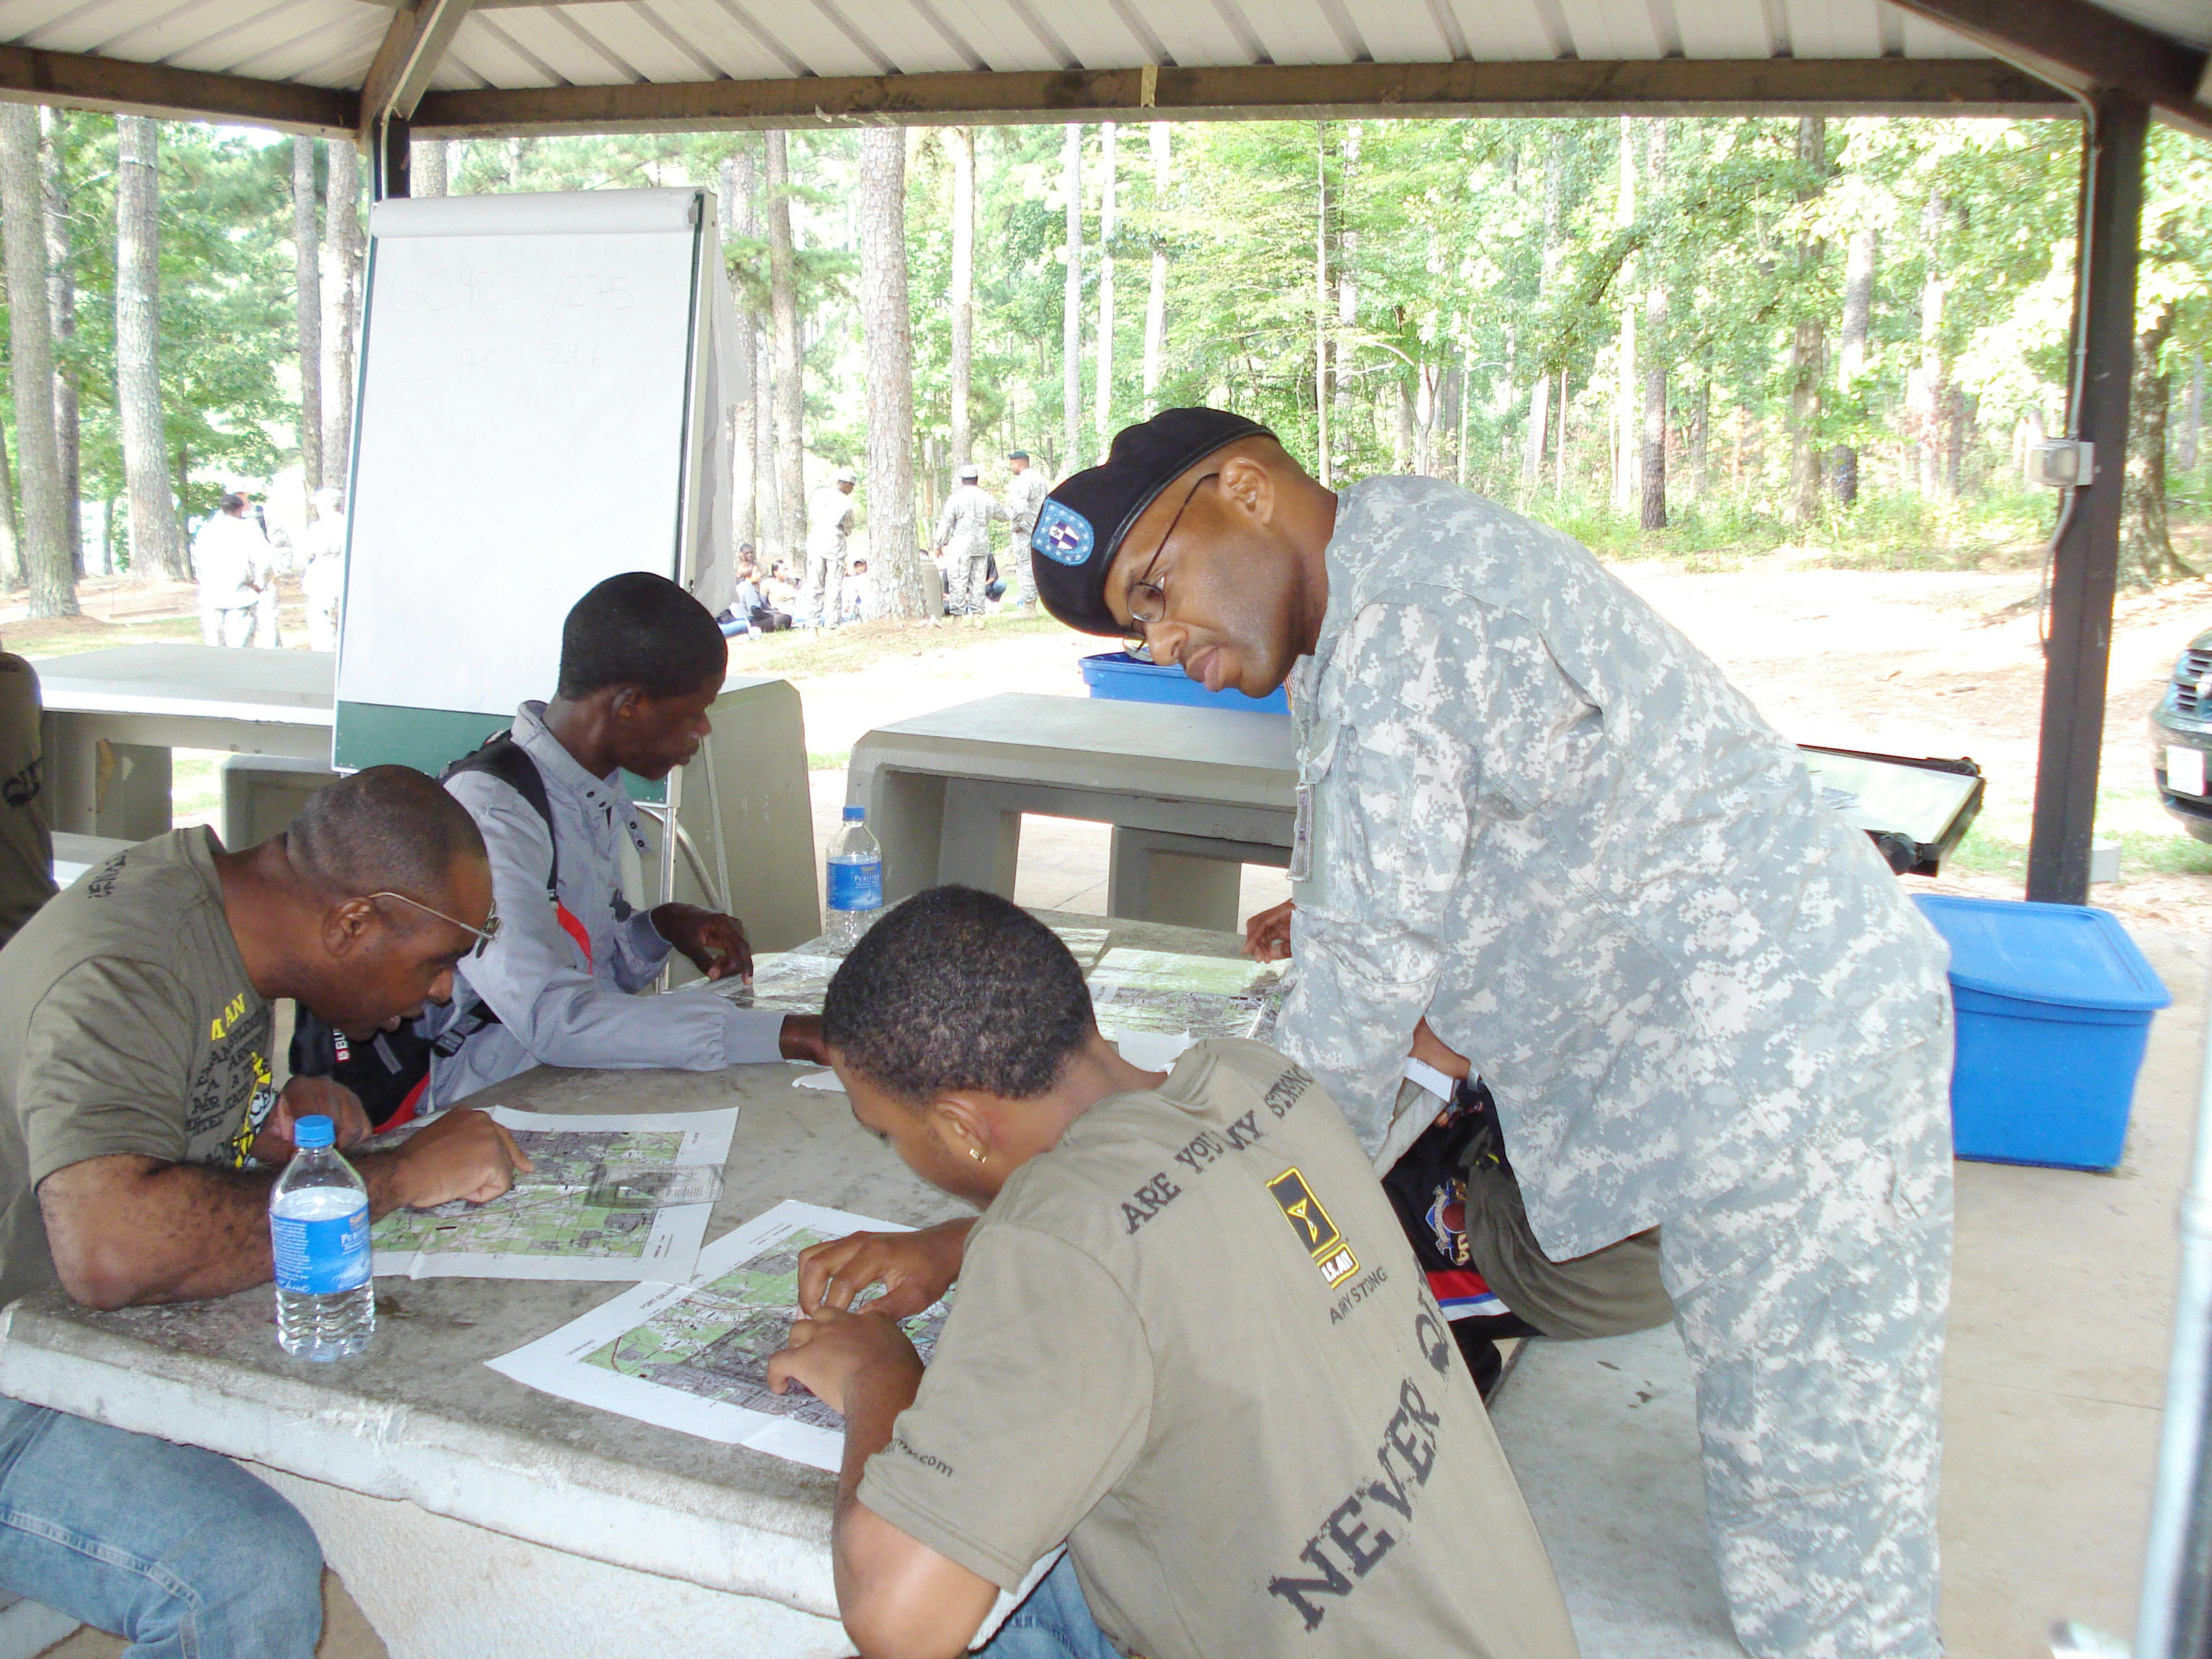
pixel 793 981
pixel 694 1356
pixel 1085 944
pixel 621 1196
pixel 1196 996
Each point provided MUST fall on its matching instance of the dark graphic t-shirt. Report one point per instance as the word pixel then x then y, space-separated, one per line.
pixel 127 1025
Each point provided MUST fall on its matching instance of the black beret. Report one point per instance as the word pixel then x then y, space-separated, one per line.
pixel 1081 526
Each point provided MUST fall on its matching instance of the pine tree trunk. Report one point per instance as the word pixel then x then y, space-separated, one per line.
pixel 1701 419
pixel 1071 319
pixel 1627 411
pixel 1859 260
pixel 1344 350
pixel 736 212
pixel 11 532
pixel 61 288
pixel 2147 555
pixel 961 141
pixel 342 300
pixel 1928 396
pixel 426 167
pixel 1322 410
pixel 306 312
pixel 1652 513
pixel 46 554
pixel 1155 297
pixel 1540 394
pixel 1651 495
pixel 1808 346
pixel 1102 405
pixel 157 543
pixel 790 370
pixel 2190 446
pixel 892 534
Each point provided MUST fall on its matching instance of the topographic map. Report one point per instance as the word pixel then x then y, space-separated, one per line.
pixel 694 1356
pixel 716 1340
pixel 624 1197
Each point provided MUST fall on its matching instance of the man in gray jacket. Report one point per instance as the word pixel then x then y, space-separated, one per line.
pixel 641 662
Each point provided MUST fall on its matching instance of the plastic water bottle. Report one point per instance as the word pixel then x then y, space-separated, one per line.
pixel 319 1228
pixel 856 881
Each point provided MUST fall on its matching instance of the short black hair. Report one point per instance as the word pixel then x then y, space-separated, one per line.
pixel 641 629
pixel 386 828
pixel 958 989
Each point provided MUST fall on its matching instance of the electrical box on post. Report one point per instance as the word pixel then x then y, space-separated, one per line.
pixel 2062 463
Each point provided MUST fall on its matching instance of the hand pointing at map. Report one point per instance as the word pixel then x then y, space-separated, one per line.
pixel 914 1269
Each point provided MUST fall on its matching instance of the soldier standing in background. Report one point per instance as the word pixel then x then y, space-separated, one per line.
pixel 965 527
pixel 1025 493
pixel 829 522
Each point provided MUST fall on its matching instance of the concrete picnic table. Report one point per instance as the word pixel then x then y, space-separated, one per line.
pixel 469 1514
pixel 1193 795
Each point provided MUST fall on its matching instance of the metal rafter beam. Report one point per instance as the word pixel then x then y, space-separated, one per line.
pixel 29 75
pixel 1667 87
pixel 399 74
pixel 2072 43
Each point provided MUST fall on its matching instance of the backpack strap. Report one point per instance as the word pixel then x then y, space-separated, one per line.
pixel 503 758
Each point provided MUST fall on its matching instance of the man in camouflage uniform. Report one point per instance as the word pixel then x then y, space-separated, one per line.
pixel 1025 492
pixel 965 527
pixel 1534 814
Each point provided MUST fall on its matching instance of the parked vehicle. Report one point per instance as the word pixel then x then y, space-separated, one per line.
pixel 2181 740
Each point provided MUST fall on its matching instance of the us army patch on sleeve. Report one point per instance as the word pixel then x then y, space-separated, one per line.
pixel 1314 1229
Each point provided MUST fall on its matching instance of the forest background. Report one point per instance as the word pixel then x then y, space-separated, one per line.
pixel 1691 337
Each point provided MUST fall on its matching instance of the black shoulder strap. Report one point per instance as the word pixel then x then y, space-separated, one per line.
pixel 503 758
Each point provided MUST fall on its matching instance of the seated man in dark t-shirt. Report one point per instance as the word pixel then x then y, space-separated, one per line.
pixel 1190 1340
pixel 140 1132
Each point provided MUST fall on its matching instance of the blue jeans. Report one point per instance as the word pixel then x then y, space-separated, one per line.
pixel 1054 1623
pixel 176 1549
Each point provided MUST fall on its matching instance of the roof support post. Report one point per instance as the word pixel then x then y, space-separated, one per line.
pixel 390 159
pixel 2085 562
pixel 413 43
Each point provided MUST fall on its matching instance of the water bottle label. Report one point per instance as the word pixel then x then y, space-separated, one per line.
pixel 320 1257
pixel 857 886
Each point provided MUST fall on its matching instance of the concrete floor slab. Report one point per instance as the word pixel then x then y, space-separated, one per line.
pixel 1603 1438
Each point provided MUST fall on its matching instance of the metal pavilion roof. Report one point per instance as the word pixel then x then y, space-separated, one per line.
pixel 503 65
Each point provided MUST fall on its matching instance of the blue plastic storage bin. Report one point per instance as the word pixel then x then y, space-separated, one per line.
pixel 2054 1004
pixel 1118 674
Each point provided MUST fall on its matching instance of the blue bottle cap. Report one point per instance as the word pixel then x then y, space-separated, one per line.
pixel 309 1132
pixel 856 814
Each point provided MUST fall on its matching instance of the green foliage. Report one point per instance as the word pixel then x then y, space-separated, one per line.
pixel 1413 254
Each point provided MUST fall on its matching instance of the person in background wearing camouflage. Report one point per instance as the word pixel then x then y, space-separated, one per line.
pixel 27 847
pixel 1536 821
pixel 964 527
pixel 1025 492
pixel 829 522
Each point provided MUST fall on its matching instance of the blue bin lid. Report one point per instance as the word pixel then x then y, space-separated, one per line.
pixel 2070 954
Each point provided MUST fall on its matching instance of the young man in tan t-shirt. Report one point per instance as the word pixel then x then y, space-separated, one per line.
pixel 1190 1341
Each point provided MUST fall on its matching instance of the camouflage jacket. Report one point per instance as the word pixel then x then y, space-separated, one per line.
pixel 965 523
pixel 1532 812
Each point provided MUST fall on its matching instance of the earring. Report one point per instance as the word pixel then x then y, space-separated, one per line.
pixel 977 1153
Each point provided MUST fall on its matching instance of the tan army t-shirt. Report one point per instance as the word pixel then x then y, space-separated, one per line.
pixel 127 1025
pixel 1191 1341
